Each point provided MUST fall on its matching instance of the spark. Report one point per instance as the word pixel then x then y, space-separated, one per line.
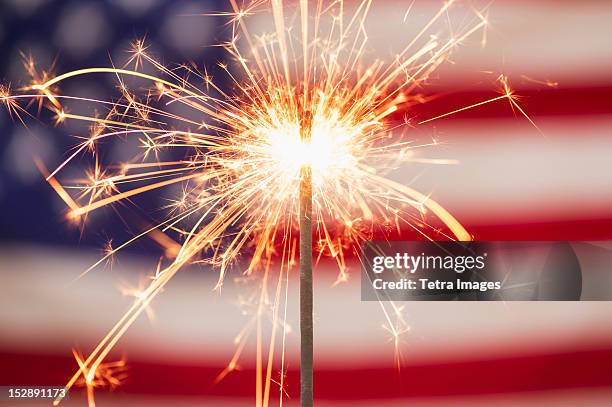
pixel 110 374
pixel 547 82
pixel 139 294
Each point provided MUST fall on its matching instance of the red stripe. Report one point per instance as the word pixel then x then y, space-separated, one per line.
pixel 572 369
pixel 536 102
pixel 562 230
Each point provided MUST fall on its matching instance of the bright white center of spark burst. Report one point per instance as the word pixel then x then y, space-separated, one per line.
pixel 329 152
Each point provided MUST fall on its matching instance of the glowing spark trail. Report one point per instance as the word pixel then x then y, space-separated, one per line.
pixel 302 141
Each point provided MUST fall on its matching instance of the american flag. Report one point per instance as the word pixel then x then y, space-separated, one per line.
pixel 512 182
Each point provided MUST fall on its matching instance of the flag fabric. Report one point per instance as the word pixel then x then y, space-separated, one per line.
pixel 545 177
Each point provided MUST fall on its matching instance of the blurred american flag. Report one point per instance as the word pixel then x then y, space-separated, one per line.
pixel 511 183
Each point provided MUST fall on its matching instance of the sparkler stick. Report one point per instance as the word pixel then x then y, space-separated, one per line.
pixel 306 292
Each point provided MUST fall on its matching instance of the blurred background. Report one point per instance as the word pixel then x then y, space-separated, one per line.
pixel 512 182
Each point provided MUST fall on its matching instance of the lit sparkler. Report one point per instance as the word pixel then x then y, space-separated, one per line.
pixel 301 143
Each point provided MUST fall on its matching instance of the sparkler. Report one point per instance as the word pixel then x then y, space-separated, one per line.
pixel 302 142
